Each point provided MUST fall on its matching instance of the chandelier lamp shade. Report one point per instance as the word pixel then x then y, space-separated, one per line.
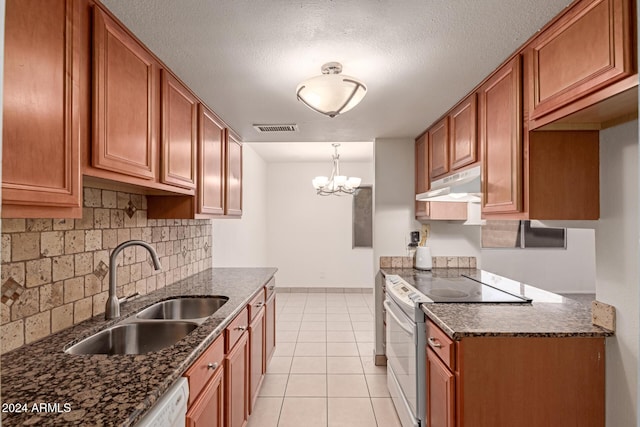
pixel 331 93
pixel 336 184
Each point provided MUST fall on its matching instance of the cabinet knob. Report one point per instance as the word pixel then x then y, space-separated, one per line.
pixel 212 366
pixel 434 343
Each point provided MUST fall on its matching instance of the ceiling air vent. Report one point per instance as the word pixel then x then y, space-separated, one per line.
pixel 276 128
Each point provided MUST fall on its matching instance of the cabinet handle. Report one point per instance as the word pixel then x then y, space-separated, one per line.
pixel 240 328
pixel 433 343
pixel 259 304
pixel 272 287
pixel 212 366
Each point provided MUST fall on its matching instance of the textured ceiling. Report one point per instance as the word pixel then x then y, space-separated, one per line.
pixel 297 152
pixel 244 58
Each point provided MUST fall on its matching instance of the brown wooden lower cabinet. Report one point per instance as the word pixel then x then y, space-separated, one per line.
pixel 270 329
pixel 440 392
pixel 208 409
pixel 225 380
pixel 256 359
pixel 206 387
pixel 236 365
pixel 516 381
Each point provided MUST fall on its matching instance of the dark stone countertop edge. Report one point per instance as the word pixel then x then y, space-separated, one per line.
pixel 183 353
pixel 460 334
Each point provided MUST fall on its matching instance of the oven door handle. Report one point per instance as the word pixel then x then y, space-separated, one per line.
pixel 387 305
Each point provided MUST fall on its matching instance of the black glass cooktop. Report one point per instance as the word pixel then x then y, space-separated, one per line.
pixel 461 289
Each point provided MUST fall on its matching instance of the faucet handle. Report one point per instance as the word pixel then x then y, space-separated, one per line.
pixel 127 298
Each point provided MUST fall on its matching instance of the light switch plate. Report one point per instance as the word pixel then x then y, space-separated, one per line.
pixel 603 315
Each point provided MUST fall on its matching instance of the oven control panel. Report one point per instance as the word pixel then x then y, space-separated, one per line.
pixel 404 291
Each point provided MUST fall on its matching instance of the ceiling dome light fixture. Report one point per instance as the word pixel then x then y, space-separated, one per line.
pixel 331 93
pixel 336 183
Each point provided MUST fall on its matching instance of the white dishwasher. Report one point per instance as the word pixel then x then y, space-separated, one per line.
pixel 171 409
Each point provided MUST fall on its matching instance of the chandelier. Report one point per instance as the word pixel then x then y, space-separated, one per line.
pixel 336 183
pixel 331 93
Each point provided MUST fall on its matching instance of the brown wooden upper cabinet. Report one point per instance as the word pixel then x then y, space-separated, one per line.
pixel 452 142
pixel 212 136
pixel 422 173
pixel 144 120
pixel 125 100
pixel 432 210
pixel 41 147
pixel 557 178
pixel 501 140
pixel 233 191
pixel 219 189
pixel 438 147
pixel 179 133
pixel 463 144
pixel 586 50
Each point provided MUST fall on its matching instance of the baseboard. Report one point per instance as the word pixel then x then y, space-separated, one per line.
pixel 324 290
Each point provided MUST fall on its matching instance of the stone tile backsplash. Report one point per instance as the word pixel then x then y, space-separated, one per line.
pixel 437 262
pixel 55 271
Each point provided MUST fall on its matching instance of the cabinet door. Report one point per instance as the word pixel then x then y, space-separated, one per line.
pixel 256 365
pixel 501 140
pixel 270 330
pixel 587 49
pixel 208 409
pixel 125 110
pixel 237 384
pixel 464 141
pixel 233 192
pixel 211 145
pixel 439 148
pixel 179 133
pixel 422 173
pixel 440 393
pixel 41 151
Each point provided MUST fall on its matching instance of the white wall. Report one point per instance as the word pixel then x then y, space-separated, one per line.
pixel 394 192
pixel 451 238
pixel 310 237
pixel 243 242
pixel 617 267
pixel 395 210
pixel 556 270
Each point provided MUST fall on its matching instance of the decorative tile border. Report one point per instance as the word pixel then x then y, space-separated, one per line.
pixel 292 289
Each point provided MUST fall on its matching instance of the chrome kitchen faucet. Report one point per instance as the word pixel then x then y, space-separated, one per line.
pixel 112 309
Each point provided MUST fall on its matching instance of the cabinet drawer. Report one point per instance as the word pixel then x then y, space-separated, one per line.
pixel 269 288
pixel 207 365
pixel 441 345
pixel 235 330
pixel 256 304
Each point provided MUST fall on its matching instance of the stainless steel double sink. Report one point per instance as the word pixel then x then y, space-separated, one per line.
pixel 154 328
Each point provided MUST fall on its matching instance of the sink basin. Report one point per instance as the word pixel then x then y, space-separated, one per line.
pixel 134 338
pixel 183 308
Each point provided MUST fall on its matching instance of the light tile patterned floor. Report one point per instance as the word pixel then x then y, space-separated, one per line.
pixel 322 372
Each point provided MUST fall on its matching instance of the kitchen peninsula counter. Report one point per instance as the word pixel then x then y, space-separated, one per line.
pixel 117 389
pixel 548 315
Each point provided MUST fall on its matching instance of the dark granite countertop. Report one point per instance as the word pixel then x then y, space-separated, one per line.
pixel 549 315
pixel 118 390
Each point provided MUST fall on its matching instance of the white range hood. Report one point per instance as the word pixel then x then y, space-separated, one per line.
pixel 460 187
